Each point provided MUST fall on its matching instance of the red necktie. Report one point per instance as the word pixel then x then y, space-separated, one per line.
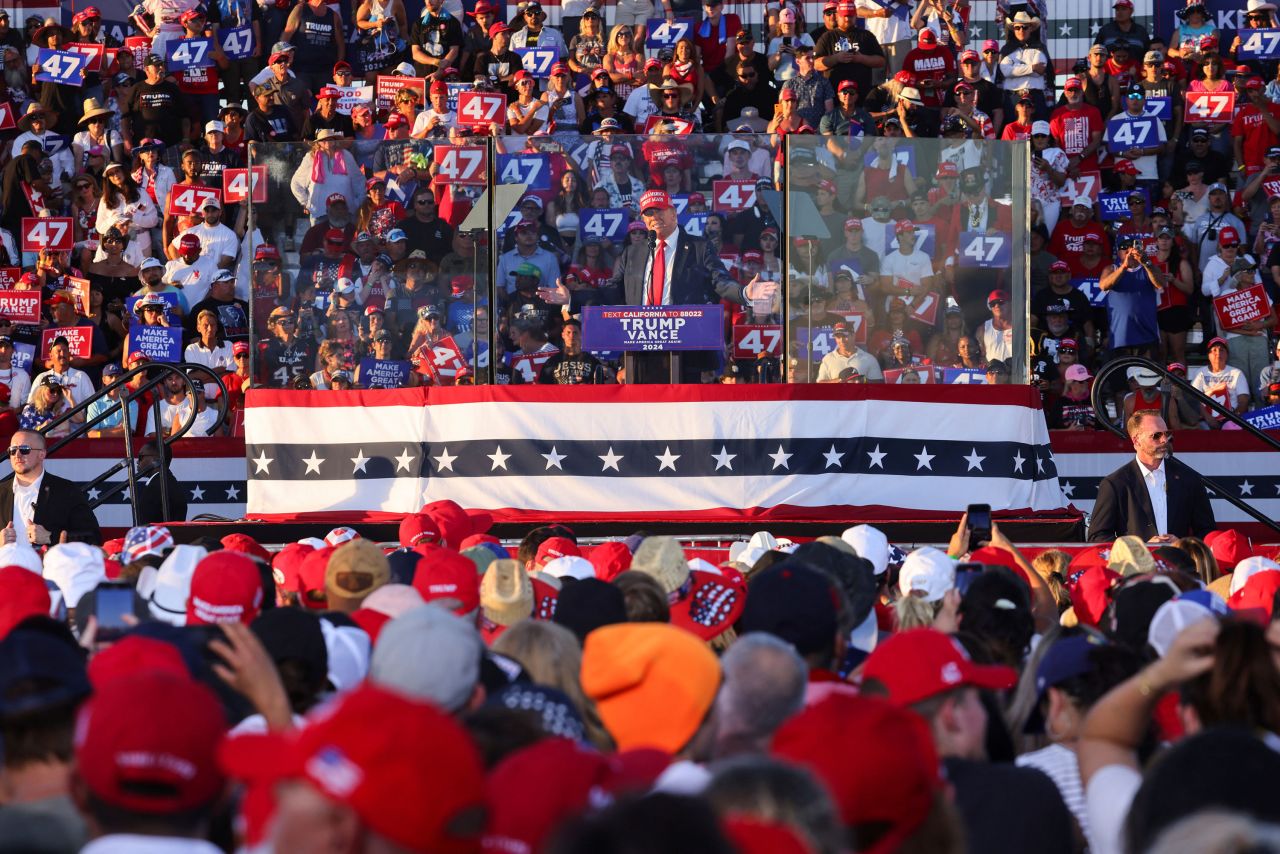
pixel 658 275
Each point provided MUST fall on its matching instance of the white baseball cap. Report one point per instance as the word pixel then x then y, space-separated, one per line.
pixel 929 572
pixel 1040 127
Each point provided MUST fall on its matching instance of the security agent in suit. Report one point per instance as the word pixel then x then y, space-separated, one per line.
pixel 1154 496
pixel 671 268
pixel 39 507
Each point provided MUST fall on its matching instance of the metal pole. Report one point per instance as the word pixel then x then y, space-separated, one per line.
pixel 164 469
pixel 248 229
pixel 130 468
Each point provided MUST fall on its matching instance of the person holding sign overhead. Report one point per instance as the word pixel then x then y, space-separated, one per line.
pixel 1133 285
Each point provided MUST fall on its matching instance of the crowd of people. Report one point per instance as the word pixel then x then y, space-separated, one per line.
pixel 447 693
pixel 358 272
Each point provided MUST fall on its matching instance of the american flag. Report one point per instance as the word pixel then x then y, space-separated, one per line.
pixel 770 452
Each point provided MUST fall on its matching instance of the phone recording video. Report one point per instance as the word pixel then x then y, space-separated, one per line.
pixel 979 525
pixel 112 603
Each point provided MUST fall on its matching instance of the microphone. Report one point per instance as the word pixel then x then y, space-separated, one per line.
pixel 653 239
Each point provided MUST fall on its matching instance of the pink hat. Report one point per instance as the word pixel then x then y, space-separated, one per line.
pixel 1078 374
pixel 991 44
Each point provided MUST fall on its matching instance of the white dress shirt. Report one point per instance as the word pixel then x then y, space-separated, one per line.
pixel 668 262
pixel 1157 489
pixel 24 506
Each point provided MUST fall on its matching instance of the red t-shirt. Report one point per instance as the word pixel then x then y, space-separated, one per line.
pixel 1254 133
pixel 714 45
pixel 1013 132
pixel 936 64
pixel 1074 129
pixel 1067 243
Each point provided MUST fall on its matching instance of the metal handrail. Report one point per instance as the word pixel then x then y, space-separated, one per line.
pixel 160 372
pixel 1100 413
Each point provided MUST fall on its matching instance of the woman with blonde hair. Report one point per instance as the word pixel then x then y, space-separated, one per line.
pixel 624 64
pixel 550 654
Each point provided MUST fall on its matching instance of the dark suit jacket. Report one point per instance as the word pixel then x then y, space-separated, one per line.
pixel 60 506
pixel 1124 507
pixel 697 278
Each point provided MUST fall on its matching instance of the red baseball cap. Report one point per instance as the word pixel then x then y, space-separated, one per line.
pixel 853 224
pixel 225 588
pixel 1228 234
pixel 266 252
pixel 309 580
pixel 947 169
pixel 1073 83
pixel 524 810
pixel 555 547
pixel 189 241
pixel 654 199
pixel 878 761
pixel 752 255
pixel 902 226
pixel 335 235
pixel 146 742
pixel 1124 167
pixel 243 543
pixel 25 595
pixel 408 770
pixel 456 524
pixel 610 560
pixel 847 85
pixel 438 87
pixel 286 566
pixel 443 574
pixel 498 27
pixel 136 654
pixel 919 663
pixel 928 38
pixel 997 295
pixel 1059 267
pixel 419 528
pixel 904 77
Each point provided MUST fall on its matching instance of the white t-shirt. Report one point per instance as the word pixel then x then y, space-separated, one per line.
pixel 19 383
pixel 913 268
pixel 833 363
pixel 996 343
pixel 1225 386
pixel 194 279
pixel 448 120
pixel 216 241
pixel 177 413
pixel 1061 766
pixel 76 380
pixel 886 30
pixel 1108 796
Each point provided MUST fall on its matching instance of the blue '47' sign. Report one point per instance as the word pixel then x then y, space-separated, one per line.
pixel 533 170
pixel 1259 44
pixel 979 249
pixel 237 42
pixel 538 60
pixel 63 67
pixel 603 223
pixel 659 33
pixel 187 54
pixel 1125 132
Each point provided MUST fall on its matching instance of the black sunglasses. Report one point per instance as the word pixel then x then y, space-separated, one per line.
pixel 996 302
pixel 1161 435
pixel 22 449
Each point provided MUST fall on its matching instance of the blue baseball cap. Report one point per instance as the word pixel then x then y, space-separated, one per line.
pixel 53 664
pixel 1066 659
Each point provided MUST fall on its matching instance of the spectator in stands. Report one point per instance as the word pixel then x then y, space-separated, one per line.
pixel 849 52
pixel 1223 382
pixel 995 336
pixel 815 96
pixel 74 382
pixel 49 400
pixel 1132 285
pixel 848 362
pixel 231 312
pixel 1123 27
pixel 326 169
pixel 1023 61
pixel 156 108
pixel 127 209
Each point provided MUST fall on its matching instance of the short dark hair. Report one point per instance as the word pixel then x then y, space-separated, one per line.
pixel 643 597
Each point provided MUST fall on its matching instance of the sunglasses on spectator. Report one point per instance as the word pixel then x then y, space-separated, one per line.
pixel 241 356
pixel 82 186
pixel 991 51
pixel 23 450
pixel 1230 245
pixel 996 302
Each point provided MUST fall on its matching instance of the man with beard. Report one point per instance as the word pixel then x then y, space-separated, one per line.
pixel 192 270
pixel 1059 327
pixel 571 366
pixel 285 357
pixel 1152 495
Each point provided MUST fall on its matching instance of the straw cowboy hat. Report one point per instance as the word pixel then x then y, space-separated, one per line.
pixel 92 109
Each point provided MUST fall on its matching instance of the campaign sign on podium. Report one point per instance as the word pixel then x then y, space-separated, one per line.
pixel 657 328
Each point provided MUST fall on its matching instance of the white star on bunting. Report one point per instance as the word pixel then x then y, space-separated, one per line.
pixel 359 461
pixel 197 494
pixel 233 493
pixel 924 459
pixel 1018 460
pixel 1246 488
pixel 93 494
pixel 444 462
pixel 263 462
pixel 974 461
pixel 404 460
pixel 724 459
pixel 313 463
pixel 667 460
pixel 877 458
pixel 610 460
pixel 499 459
pixel 1064 30
pixel 553 459
pixel 833 457
pixel 1068 489
pixel 780 458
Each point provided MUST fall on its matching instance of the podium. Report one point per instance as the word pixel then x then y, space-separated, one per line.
pixel 636 329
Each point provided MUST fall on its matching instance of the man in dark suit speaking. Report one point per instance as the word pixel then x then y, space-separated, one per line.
pixel 671 268
pixel 1153 496
pixel 38 507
